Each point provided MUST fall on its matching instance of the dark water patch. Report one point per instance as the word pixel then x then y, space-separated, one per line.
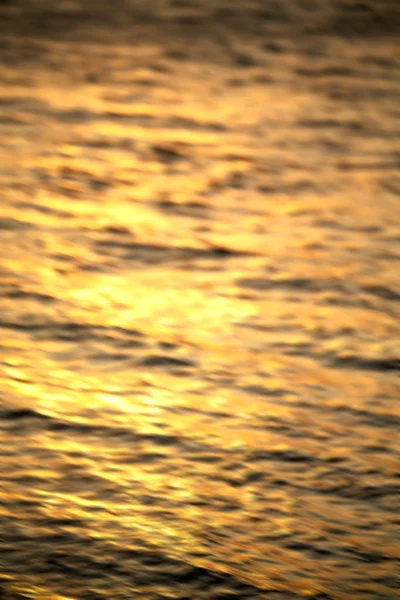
pixel 153 253
pixel 367 166
pixel 376 448
pixel 304 349
pixel 325 123
pixel 159 360
pixel 73 331
pixel 106 142
pixel 370 492
pixel 260 390
pixel 237 478
pixel 24 323
pixel 125 344
pixel 192 209
pixel 74 115
pixel 303 186
pixel 294 283
pixel 112 432
pixel 392 184
pixel 81 428
pixel 73 182
pixel 360 20
pixel 31 481
pixel 24 103
pixel 315 550
pixel 274 47
pixel 163 439
pixel 244 60
pixel 365 364
pixel 62 555
pixel 273 12
pixel 373 419
pixel 100 267
pixel 385 62
pixel 373 132
pixel 185 410
pixel 207 458
pixel 127 118
pixel 10 224
pixel 54 25
pixel 382 292
pixel 350 299
pixel 117 230
pixel 83 115
pixel 341 225
pixel 290 430
pixel 194 124
pixel 374 93
pixel 172 571
pixel 19 294
pixel 8 594
pixel 369 557
pixel 328 71
pixel 17 414
pixel 263 284
pixel 169 154
pixel 14 120
pixel 109 357
pixel 98 184
pixel 290 456
pixel 25 504
pixel 150 457
pixel 89 429
pixel 281 327
pixel 333 80
pixel 46 210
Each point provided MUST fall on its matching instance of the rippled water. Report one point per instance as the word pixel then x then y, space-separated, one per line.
pixel 199 306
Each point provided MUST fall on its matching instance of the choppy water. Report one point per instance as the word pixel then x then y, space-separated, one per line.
pixel 199 308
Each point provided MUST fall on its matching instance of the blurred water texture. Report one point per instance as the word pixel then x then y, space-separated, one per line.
pixel 199 306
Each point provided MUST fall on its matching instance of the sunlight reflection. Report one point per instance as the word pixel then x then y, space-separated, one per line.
pixel 199 307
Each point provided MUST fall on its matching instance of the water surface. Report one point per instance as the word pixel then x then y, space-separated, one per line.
pixel 199 309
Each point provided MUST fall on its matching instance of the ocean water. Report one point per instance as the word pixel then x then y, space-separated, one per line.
pixel 199 301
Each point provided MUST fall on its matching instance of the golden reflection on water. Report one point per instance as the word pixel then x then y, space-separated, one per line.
pixel 200 320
